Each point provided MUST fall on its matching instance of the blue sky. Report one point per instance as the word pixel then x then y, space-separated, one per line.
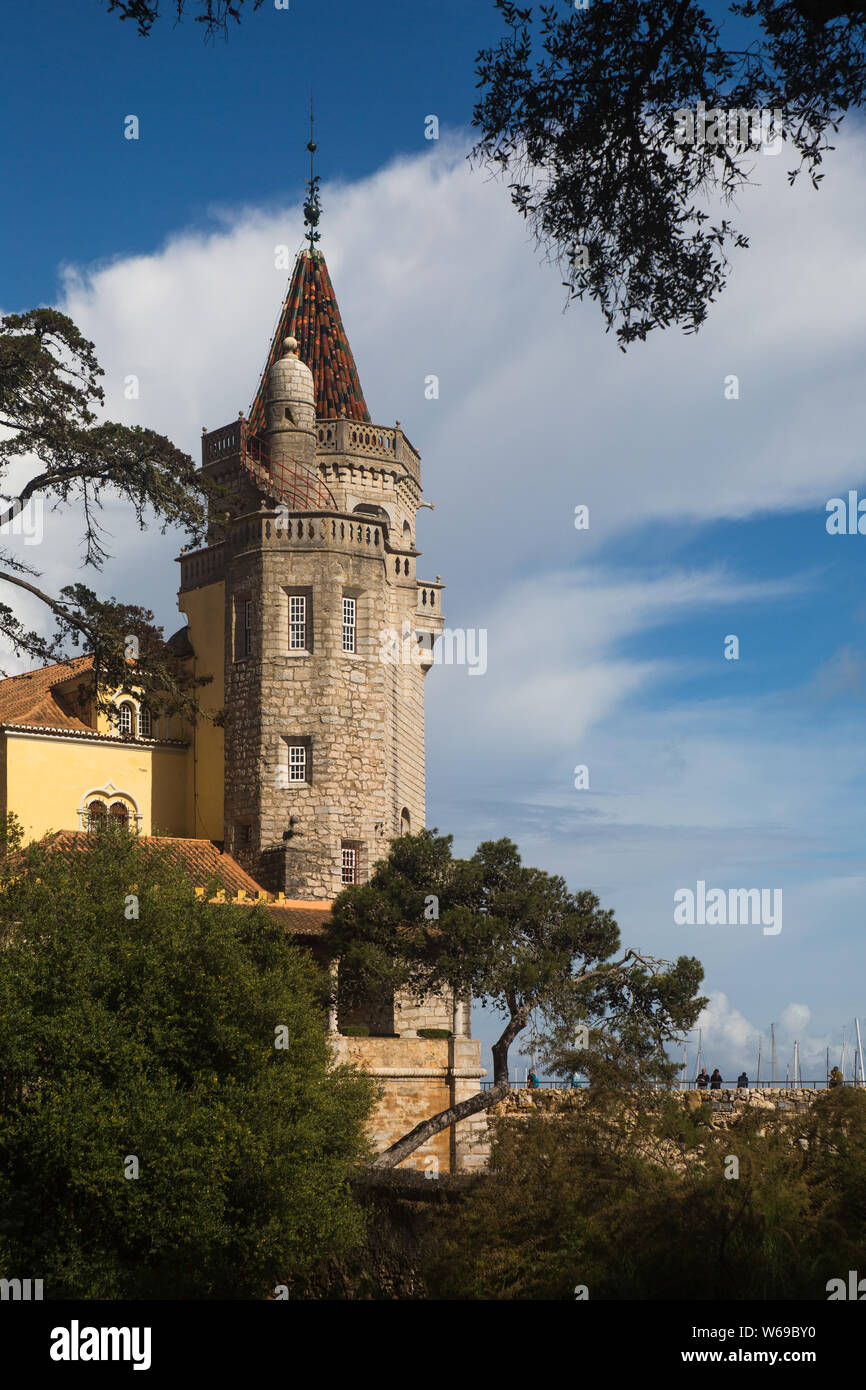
pixel 222 121
pixel 707 516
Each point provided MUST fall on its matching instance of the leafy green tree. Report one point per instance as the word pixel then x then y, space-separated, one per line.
pixel 516 939
pixel 11 834
pixel 141 1030
pixel 50 396
pixel 578 110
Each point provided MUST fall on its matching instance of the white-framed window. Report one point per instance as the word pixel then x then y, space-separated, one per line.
pixel 145 723
pixel 297 622
pixel 349 864
pixel 349 614
pixel 247 647
pixel 297 762
pixel 96 812
pixel 126 717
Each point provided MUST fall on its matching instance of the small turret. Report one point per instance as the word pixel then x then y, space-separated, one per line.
pixel 290 409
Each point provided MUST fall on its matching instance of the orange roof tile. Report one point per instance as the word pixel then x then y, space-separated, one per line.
pixel 204 862
pixel 202 859
pixel 33 697
pixel 302 918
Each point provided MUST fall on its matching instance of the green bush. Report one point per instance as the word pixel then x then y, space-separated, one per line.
pixel 138 1022
pixel 641 1205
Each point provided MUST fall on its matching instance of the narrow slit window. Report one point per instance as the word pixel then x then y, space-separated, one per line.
pixel 297 622
pixel 348 625
pixel 350 864
pixel 248 627
pixel 297 762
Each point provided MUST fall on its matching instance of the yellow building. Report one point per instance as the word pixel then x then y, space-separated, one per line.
pixel 62 765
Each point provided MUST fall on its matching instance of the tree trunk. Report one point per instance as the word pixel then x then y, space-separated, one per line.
pixel 473 1105
pixel 482 1100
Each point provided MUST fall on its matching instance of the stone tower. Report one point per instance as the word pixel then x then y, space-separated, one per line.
pixel 328 629
pixel 306 610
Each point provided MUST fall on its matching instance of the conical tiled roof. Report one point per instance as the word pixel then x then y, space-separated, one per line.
pixel 311 314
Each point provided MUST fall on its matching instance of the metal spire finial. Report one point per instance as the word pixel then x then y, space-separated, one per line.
pixel 312 206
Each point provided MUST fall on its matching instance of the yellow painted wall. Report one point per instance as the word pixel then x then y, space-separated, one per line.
pixel 169 801
pixel 105 723
pixel 47 776
pixel 205 613
pixel 179 791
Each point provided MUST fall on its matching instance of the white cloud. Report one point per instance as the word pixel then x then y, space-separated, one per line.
pixel 795 1019
pixel 729 1040
pixel 555 663
pixel 435 273
pixel 724 1029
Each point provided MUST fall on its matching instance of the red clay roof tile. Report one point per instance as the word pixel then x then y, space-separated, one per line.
pixel 33 697
pixel 310 313
pixel 204 862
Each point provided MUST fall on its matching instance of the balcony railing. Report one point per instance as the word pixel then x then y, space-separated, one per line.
pixel 293 484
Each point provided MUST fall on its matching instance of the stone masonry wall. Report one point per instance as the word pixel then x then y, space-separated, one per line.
pixel 432 1013
pixel 422 1076
pixel 363 718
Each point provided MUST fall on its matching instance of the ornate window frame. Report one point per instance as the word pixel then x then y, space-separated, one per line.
pixel 108 794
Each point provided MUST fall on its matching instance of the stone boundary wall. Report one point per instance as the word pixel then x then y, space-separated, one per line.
pixel 725 1105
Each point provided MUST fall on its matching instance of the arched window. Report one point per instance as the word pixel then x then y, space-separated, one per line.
pixel 145 723
pixel 126 718
pixel 108 805
pixel 405 821
pixel 407 531
pixel 371 509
